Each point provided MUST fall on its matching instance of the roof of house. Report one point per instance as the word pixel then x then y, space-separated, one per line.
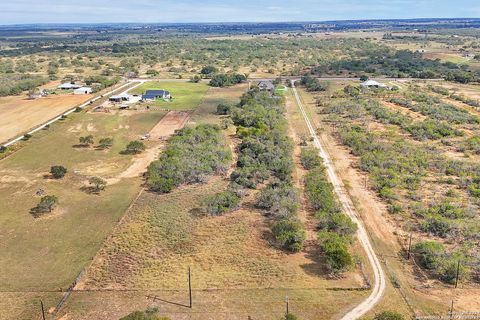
pixel 68 85
pixel 373 83
pixel 155 93
pixel 83 89
pixel 120 96
pixel 266 85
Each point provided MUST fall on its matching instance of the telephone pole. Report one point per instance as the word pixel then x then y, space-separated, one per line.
pixel 43 309
pixel 458 274
pixel 286 305
pixel 190 286
pixel 409 247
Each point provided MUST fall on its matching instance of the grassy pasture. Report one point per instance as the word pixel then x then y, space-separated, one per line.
pixel 236 271
pixel 47 253
pixel 186 95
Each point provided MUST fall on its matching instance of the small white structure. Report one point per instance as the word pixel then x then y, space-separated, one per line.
pixel 83 90
pixel 69 86
pixel 373 84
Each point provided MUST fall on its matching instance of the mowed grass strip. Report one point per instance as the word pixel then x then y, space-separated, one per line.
pixel 47 253
pixel 186 95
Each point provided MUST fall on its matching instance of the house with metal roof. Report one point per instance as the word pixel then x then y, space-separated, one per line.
pixel 373 84
pixel 266 85
pixel 69 86
pixel 151 95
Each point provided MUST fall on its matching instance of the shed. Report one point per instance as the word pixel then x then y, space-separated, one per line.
pixel 151 95
pixel 266 85
pixel 373 84
pixel 119 98
pixel 83 90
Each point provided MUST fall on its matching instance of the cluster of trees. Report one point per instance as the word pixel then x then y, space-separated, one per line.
pixel 58 172
pixel 103 143
pixel 434 108
pixel 397 167
pixel 312 84
pixel 265 155
pixel 134 147
pixel 421 130
pixel 16 84
pixel 471 102
pixel 99 82
pixel 397 64
pixel 221 203
pixel 227 79
pixel 46 205
pixel 190 156
pixel 432 256
pixel 396 164
pixel 336 228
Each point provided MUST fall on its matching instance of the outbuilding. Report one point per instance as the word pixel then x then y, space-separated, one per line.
pixel 83 90
pixel 119 98
pixel 373 84
pixel 151 95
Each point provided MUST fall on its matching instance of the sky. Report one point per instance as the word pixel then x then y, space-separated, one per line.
pixel 166 11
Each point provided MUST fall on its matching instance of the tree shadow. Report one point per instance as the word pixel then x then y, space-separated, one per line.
pixel 90 190
pixel 156 298
pixel 80 146
pixel 197 212
pixel 314 253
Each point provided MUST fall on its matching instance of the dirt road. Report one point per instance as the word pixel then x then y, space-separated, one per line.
pixel 379 276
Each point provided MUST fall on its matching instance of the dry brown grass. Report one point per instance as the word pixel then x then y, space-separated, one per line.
pixel 19 114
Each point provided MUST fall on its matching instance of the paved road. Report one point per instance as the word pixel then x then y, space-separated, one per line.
pixel 379 276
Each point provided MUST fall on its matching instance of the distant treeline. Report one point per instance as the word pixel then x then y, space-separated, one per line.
pixel 398 64
pixel 13 85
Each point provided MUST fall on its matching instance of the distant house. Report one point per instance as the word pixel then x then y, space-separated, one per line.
pixel 266 86
pixel 83 90
pixel 69 86
pixel 119 98
pixel 151 95
pixel 373 84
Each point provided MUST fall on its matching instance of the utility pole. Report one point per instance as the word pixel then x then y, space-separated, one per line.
pixel 43 309
pixel 409 247
pixel 286 305
pixel 458 274
pixel 190 286
pixel 451 311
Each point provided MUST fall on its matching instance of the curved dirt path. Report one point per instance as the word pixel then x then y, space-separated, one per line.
pixel 379 276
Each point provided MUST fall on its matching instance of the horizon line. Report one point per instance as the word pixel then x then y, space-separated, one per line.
pixel 231 22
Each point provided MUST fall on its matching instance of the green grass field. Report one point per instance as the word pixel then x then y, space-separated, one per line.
pixel 47 253
pixel 186 95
